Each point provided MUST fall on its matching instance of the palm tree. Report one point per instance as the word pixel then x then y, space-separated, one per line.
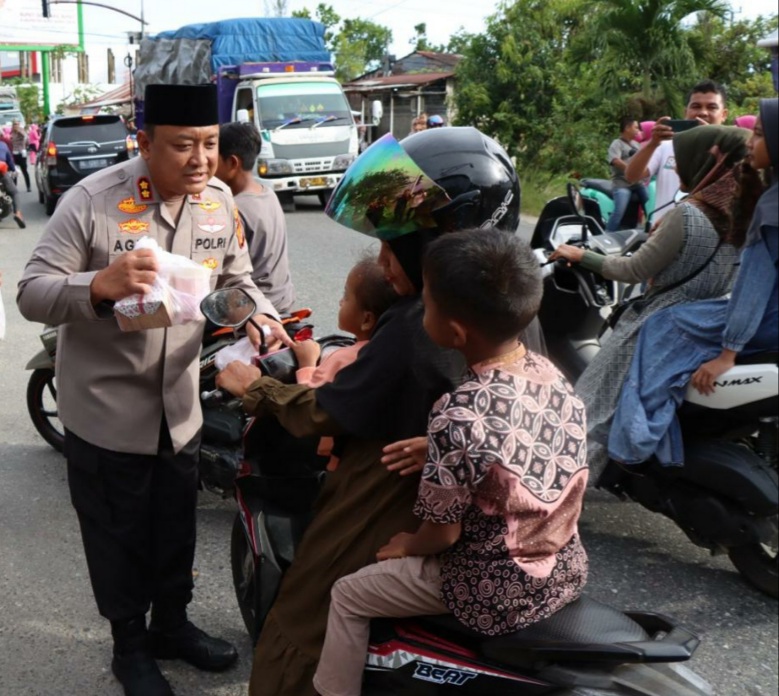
pixel 644 44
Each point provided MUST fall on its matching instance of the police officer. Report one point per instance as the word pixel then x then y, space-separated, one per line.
pixel 129 401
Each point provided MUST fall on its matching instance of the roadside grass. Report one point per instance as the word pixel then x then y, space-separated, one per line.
pixel 538 187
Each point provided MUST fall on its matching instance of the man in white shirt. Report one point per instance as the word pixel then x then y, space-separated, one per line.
pixel 705 103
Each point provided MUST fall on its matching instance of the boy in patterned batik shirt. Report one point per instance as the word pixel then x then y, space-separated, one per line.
pixel 506 471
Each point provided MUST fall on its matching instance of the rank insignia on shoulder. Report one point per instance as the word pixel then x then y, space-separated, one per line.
pixel 129 206
pixel 133 226
pixel 239 229
pixel 209 205
pixel 144 188
pixel 211 263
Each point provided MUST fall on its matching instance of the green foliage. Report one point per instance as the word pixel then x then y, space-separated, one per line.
pixel 358 45
pixel 420 41
pixel 81 94
pixel 550 79
pixel 30 103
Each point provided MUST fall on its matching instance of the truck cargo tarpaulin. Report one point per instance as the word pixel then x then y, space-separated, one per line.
pixel 194 53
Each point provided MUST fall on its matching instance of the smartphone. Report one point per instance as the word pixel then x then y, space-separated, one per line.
pixel 681 124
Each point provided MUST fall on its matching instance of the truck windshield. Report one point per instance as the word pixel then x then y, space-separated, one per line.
pixel 298 104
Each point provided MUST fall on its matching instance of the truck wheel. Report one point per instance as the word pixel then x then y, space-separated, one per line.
pixel 759 564
pixel 245 576
pixel 324 197
pixel 42 407
pixel 287 201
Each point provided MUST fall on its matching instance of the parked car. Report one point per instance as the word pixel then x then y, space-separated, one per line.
pixel 73 147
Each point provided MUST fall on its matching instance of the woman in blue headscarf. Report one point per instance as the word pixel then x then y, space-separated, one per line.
pixel 697 342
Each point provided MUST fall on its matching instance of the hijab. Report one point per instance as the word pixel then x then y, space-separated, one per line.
pixel 767 210
pixel 705 160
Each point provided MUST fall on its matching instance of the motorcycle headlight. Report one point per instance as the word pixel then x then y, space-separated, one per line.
pixel 274 167
pixel 342 162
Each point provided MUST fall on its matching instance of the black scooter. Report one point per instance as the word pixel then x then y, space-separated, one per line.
pixel 726 496
pixel 585 649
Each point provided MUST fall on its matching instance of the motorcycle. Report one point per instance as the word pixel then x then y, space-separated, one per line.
pixel 6 202
pixel 585 649
pixel 726 496
pixel 602 192
pixel 223 422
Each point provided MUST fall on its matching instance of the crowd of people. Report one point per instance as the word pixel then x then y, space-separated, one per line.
pixel 438 498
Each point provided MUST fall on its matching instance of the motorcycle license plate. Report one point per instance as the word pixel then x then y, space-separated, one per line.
pixel 314 181
pixel 49 340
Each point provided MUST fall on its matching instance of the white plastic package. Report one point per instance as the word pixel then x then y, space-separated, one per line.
pixel 175 296
pixel 242 351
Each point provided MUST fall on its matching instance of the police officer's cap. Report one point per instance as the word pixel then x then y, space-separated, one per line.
pixel 181 105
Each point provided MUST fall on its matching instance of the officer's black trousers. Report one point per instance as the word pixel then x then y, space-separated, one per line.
pixel 137 517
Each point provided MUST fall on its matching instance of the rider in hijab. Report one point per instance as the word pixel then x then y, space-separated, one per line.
pixel 698 342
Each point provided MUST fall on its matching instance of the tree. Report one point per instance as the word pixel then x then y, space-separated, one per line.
pixel 727 52
pixel 358 45
pixel 420 41
pixel 325 14
pixel 644 46
pixel 508 80
pixel 275 8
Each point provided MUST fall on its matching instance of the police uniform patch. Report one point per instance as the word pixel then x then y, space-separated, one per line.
pixel 211 263
pixel 211 226
pixel 209 205
pixel 129 206
pixel 133 226
pixel 144 188
pixel 239 228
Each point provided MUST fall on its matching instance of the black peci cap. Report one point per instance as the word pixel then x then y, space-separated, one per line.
pixel 181 105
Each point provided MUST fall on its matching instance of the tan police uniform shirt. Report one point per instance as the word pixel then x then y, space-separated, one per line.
pixel 114 386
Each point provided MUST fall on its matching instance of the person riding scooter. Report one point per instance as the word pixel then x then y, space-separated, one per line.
pixel 462 179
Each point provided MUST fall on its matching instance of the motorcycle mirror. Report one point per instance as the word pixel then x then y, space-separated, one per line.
pixel 575 198
pixel 577 203
pixel 228 307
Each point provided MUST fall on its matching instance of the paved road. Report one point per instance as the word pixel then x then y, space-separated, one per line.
pixel 53 643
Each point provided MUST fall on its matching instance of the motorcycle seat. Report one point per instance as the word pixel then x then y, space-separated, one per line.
pixel 584 631
pixel 604 186
pixel 770 357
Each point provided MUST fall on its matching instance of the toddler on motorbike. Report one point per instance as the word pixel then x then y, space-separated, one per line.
pixel 367 295
pixel 506 471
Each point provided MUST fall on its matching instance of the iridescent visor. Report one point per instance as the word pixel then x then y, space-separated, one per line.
pixel 385 194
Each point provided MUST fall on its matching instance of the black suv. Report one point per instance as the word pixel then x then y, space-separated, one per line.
pixel 73 147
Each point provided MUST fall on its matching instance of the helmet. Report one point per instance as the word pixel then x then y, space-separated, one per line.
pixel 435 121
pixel 435 181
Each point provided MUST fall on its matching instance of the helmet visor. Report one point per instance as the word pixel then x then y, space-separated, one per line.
pixel 385 194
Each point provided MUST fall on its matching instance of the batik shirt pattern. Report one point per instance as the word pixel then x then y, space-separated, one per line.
pixel 507 458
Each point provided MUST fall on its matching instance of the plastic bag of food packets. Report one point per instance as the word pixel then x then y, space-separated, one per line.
pixel 174 298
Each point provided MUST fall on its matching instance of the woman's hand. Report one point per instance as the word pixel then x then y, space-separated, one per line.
pixel 567 252
pixel 406 456
pixel 706 374
pixel 237 377
pixel 396 548
pixel 307 352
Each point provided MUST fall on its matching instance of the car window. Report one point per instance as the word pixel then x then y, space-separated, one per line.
pixel 66 132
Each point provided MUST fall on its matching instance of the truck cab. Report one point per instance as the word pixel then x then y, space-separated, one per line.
pixel 309 136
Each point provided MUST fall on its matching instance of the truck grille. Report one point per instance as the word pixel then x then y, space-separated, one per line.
pixel 309 166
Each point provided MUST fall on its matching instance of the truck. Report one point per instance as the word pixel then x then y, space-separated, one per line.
pixel 275 73
pixel 10 110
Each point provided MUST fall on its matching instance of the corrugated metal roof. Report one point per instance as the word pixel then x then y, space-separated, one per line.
pixel 395 81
